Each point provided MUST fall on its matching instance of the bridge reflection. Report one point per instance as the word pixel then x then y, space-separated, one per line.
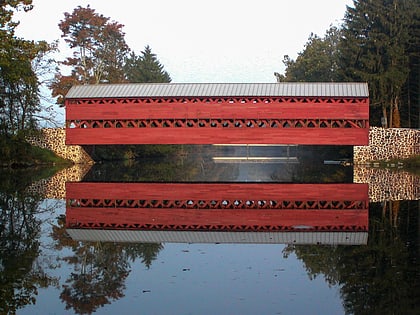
pixel 218 212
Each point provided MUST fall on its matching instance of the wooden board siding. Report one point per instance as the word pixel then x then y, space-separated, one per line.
pixel 313 136
pixel 187 219
pixel 170 191
pixel 227 120
pixel 119 110
pixel 203 206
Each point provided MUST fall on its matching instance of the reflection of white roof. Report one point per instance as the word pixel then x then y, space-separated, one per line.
pixel 127 236
pixel 292 89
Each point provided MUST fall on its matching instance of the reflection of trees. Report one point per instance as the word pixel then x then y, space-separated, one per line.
pixel 187 163
pixel 380 278
pixel 311 167
pixel 99 274
pixel 147 252
pixel 157 170
pixel 100 269
pixel 20 271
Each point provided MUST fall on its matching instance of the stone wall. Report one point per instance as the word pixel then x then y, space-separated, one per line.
pixel 388 143
pixel 55 186
pixel 54 140
pixel 388 184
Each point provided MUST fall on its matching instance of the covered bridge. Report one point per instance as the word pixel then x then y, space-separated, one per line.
pixel 213 113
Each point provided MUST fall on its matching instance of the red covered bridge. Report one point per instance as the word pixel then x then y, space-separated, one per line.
pixel 218 207
pixel 201 113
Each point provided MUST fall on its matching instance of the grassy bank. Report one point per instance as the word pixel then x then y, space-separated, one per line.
pixel 17 153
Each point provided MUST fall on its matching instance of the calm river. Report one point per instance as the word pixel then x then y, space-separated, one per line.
pixel 211 230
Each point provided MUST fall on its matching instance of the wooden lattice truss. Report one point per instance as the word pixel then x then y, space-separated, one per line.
pixel 213 121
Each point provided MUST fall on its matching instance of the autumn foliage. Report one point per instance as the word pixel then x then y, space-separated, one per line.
pixel 99 50
pixel 100 54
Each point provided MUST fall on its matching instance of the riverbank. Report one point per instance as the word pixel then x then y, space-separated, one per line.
pixel 17 153
pixel 411 164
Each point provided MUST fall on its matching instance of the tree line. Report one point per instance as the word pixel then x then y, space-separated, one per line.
pixel 99 55
pixel 378 43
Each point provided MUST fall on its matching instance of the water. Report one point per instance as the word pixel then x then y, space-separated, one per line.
pixel 190 234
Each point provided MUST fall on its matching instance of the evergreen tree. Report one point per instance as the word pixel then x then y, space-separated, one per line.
pixel 145 68
pixel 378 43
pixel 317 62
pixel 373 48
pixel 411 90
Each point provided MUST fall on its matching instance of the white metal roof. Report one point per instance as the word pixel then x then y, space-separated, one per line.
pixel 320 89
pixel 129 236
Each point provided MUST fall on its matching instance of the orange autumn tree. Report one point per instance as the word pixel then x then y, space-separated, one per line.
pixel 98 51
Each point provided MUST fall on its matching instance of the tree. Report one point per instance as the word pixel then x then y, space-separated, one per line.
pixel 317 62
pixel 20 102
pixel 378 43
pixel 100 268
pixel 379 277
pixel 7 9
pixel 373 49
pixel 145 68
pixel 411 90
pixel 19 84
pixel 99 51
pixel 22 269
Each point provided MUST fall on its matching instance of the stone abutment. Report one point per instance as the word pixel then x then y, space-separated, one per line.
pixel 388 144
pixel 54 139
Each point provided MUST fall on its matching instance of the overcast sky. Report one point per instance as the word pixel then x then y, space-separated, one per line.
pixel 201 40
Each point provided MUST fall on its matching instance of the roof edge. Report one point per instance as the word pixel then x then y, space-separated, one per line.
pixel 297 89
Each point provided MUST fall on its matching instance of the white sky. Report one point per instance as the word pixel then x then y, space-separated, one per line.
pixel 203 41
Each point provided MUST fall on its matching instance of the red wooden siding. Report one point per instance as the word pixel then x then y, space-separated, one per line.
pixel 237 120
pixel 236 207
pixel 220 191
pixel 232 220
pixel 299 108
pixel 216 136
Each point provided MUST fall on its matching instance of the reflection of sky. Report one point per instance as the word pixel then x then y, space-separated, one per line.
pixel 202 279
pixel 218 279
pixel 228 279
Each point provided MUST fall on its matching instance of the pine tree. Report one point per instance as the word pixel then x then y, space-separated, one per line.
pixel 317 62
pixel 411 91
pixel 373 49
pixel 145 68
